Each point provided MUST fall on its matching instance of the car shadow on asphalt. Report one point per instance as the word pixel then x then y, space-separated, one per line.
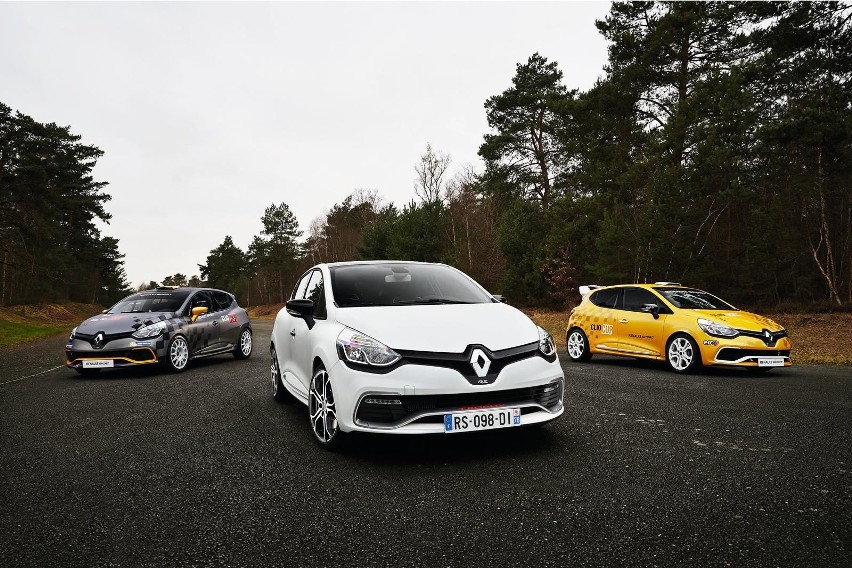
pixel 661 367
pixel 443 449
pixel 154 370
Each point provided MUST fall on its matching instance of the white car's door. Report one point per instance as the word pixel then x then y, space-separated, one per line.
pixel 303 332
pixel 283 335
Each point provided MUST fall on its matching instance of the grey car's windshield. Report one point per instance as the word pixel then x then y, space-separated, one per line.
pixel 153 301
pixel 402 284
pixel 692 299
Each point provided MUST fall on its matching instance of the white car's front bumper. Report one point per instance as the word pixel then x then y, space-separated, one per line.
pixel 415 397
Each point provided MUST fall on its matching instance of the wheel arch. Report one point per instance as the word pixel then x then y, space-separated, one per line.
pixel 685 333
pixel 579 328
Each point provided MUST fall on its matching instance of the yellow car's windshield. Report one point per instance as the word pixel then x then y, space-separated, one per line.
pixel 692 299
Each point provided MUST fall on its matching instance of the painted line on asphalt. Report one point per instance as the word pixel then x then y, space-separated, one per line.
pixel 31 376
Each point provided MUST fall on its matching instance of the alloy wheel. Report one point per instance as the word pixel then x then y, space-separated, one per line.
pixel 279 393
pixel 321 408
pixel 576 345
pixel 681 354
pixel 178 353
pixel 245 343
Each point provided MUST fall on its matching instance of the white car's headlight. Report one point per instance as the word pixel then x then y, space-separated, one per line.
pixel 545 343
pixel 356 347
pixel 717 329
pixel 152 330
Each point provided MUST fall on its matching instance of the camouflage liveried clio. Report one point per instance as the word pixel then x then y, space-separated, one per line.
pixel 166 326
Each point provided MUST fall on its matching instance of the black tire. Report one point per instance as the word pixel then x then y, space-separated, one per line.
pixel 682 354
pixel 577 345
pixel 87 372
pixel 177 354
pixel 279 391
pixel 322 412
pixel 242 350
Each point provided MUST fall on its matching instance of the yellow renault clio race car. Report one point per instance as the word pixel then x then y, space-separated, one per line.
pixel 684 326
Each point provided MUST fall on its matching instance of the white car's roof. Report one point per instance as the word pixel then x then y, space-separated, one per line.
pixel 356 262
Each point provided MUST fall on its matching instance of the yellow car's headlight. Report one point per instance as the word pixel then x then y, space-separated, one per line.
pixel 717 329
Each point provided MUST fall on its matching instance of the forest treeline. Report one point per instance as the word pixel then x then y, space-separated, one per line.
pixel 715 150
pixel 50 247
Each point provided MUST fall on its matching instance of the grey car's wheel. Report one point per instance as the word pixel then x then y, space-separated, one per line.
pixel 682 354
pixel 322 411
pixel 244 345
pixel 577 345
pixel 279 392
pixel 177 356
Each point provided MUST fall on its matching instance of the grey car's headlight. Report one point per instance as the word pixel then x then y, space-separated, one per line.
pixel 356 347
pixel 152 330
pixel 545 343
pixel 717 329
pixel 71 337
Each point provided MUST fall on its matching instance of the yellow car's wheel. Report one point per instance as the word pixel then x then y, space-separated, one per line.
pixel 577 345
pixel 682 353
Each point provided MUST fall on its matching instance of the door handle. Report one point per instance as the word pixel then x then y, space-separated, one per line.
pixel 293 333
pixel 623 321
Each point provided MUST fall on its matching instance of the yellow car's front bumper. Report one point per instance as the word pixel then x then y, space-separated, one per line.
pixel 744 351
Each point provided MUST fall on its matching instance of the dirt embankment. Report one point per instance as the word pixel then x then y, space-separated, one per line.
pixel 818 339
pixel 824 338
pixel 49 314
pixel 267 312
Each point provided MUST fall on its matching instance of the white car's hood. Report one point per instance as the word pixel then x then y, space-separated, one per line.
pixel 448 328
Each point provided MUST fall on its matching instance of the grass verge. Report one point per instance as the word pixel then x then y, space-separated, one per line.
pixel 19 324
pixel 16 332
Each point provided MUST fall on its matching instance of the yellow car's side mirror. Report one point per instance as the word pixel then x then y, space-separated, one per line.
pixel 199 311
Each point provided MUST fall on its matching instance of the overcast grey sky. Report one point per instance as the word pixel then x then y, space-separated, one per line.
pixel 209 112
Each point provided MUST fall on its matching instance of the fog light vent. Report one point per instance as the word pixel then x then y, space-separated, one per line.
pixel 394 401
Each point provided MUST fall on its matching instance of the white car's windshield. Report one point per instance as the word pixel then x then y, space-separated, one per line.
pixel 692 299
pixel 153 301
pixel 402 284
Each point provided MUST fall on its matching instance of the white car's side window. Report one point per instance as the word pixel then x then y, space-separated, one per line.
pixel 299 289
pixel 315 291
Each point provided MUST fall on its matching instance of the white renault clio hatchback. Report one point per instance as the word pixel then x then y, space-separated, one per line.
pixel 409 348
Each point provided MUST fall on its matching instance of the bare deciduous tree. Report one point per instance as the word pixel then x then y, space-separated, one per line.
pixel 431 170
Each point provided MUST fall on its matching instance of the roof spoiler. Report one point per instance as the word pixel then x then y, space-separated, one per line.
pixel 584 290
pixel 667 284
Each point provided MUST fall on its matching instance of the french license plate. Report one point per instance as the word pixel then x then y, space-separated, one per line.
pixel 487 419
pixel 98 364
pixel 770 362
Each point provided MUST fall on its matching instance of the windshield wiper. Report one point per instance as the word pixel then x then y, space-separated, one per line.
pixel 429 301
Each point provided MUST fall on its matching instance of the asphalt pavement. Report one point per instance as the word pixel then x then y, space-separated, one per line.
pixel 645 468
